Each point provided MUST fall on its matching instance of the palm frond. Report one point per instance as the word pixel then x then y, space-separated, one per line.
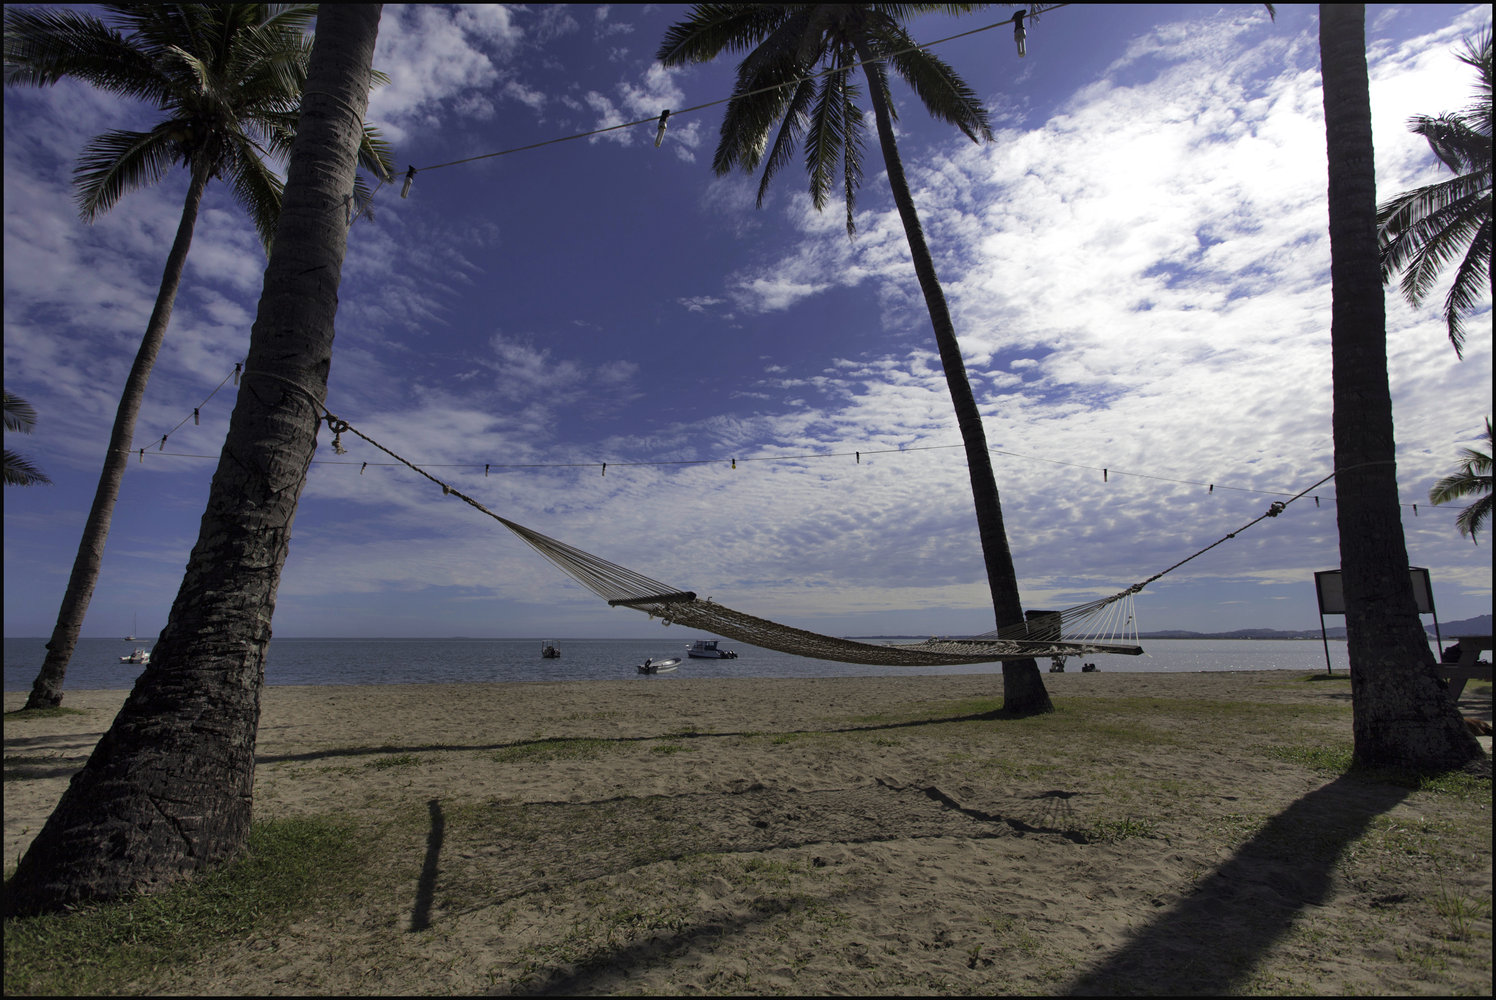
pixel 795 84
pixel 19 471
pixel 19 414
pixel 1474 517
pixel 375 154
pixel 854 127
pixel 792 127
pixel 1420 231
pixel 1436 240
pixel 751 113
pixel 255 186
pixel 939 88
pixel 791 50
pixel 120 161
pixel 826 136
pixel 43 46
pixel 1403 212
pixel 1472 478
pixel 1473 273
pixel 715 28
pixel 1458 146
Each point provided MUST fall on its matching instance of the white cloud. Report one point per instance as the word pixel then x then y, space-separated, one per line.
pixel 433 55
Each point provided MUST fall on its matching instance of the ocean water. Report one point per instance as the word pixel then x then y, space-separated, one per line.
pixel 426 661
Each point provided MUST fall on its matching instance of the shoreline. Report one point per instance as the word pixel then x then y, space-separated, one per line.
pixel 836 835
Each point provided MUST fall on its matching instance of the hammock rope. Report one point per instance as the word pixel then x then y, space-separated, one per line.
pixel 1106 625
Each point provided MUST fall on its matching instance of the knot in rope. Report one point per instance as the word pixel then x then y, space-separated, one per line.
pixel 337 427
pixel 1277 508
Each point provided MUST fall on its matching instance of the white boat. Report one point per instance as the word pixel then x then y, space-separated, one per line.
pixel 653 666
pixel 550 651
pixel 707 649
pixel 139 656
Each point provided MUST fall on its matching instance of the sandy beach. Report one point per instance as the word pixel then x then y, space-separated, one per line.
pixel 1173 833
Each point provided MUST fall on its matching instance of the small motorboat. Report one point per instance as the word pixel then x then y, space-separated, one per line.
pixel 653 666
pixel 707 649
pixel 550 651
pixel 139 656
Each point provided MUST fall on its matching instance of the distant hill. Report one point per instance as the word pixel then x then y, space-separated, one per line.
pixel 1480 625
pixel 1337 632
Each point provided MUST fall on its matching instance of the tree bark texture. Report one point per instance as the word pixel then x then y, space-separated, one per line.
pixel 1023 685
pixel 46 690
pixel 1402 713
pixel 167 792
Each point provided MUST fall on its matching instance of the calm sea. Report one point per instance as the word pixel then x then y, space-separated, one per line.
pixel 422 661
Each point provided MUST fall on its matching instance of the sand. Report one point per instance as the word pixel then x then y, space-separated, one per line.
pixel 1161 833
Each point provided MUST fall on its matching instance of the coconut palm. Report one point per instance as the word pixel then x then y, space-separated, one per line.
pixel 167 792
pixel 228 79
pixel 1401 714
pixel 1472 479
pixel 798 83
pixel 1424 229
pixel 19 416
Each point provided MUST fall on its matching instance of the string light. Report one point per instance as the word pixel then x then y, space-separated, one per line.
pixel 660 135
pixel 1019 35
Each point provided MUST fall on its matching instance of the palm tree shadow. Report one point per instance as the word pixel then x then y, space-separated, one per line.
pixel 1211 941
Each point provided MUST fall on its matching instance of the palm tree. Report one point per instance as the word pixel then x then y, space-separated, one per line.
pixel 1423 229
pixel 229 78
pixel 778 84
pixel 19 416
pixel 167 792
pixel 1472 478
pixel 1402 715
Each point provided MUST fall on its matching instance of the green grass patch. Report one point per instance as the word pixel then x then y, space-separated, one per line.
pixel 1114 831
pixel 542 751
pixel 1458 784
pixel 669 748
pixel 1334 760
pixel 399 760
pixel 1461 913
pixel 1339 760
pixel 126 946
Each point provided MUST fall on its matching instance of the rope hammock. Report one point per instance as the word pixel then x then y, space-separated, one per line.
pixel 1099 626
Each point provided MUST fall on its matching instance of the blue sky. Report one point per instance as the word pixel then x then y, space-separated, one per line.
pixel 1137 267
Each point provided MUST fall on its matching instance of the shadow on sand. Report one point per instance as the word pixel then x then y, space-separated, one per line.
pixel 1211 941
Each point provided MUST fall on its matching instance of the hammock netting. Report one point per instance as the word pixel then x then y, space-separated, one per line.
pixel 1044 635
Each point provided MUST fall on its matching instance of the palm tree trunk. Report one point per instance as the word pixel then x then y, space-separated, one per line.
pixel 1023 686
pixel 46 690
pixel 168 789
pixel 1402 714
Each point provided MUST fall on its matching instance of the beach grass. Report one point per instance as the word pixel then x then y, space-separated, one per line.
pixel 287 865
pixel 1169 835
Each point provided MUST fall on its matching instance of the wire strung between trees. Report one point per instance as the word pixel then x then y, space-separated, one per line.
pixel 665 116
pixel 731 462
